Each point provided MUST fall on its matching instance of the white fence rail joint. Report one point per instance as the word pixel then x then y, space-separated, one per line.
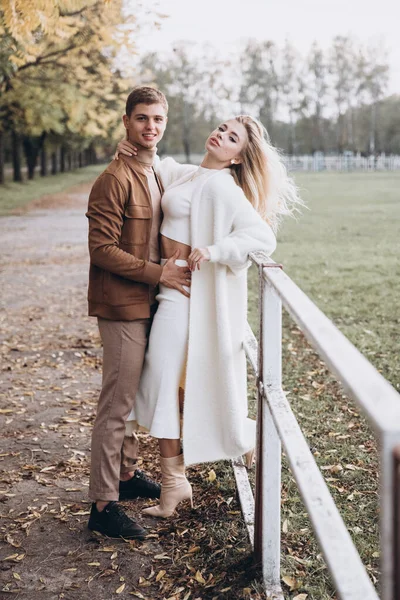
pixel 276 423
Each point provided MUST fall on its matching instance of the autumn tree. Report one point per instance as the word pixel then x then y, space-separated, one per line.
pixel 59 85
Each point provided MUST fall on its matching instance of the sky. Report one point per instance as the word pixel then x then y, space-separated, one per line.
pixel 223 23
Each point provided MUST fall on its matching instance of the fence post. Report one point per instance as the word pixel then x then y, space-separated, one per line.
pixel 390 516
pixel 268 474
pixel 396 521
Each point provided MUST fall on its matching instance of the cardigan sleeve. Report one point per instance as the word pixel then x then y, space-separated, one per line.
pixel 249 233
pixel 170 171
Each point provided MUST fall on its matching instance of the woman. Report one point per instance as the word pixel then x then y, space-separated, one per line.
pixel 214 215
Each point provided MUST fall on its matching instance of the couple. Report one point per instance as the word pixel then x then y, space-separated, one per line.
pixel 176 237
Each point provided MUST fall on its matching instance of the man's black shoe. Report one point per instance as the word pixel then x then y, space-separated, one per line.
pixel 139 486
pixel 113 522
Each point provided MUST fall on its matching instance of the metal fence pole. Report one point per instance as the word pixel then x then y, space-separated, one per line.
pixel 268 490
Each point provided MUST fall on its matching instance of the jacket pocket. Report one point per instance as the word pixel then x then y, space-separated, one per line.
pixel 118 291
pixel 137 224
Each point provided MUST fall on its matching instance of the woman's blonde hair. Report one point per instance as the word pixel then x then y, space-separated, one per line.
pixel 263 177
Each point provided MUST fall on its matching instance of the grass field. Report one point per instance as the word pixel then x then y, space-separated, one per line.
pixel 344 253
pixel 15 196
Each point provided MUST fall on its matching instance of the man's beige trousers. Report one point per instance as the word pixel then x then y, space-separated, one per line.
pixel 124 345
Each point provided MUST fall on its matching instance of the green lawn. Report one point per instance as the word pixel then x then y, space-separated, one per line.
pixel 17 195
pixel 344 253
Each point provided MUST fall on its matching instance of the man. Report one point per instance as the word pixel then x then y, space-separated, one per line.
pixel 124 219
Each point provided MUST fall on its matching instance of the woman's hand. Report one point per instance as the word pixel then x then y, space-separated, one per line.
pixel 197 256
pixel 125 147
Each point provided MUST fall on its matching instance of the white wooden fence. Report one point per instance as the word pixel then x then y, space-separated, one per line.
pixel 324 162
pixel 377 400
pixel 342 162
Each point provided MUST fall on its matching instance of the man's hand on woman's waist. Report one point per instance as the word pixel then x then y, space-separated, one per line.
pixel 176 277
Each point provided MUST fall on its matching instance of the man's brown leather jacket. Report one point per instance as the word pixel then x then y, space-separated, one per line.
pixel 120 215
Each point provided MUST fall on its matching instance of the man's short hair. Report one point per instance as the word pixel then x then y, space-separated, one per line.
pixel 145 95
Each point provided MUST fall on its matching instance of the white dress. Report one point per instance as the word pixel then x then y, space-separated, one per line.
pixel 215 424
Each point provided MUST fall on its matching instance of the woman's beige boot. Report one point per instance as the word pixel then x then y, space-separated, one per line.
pixel 174 488
pixel 249 458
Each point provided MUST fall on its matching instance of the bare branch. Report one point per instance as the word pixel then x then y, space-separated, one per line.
pixel 42 60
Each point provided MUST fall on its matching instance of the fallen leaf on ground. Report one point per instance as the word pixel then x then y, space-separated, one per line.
pixel 199 577
pixel 10 540
pixel 211 476
pixel 291 582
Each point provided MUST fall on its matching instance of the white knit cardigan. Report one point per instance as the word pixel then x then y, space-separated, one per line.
pixel 215 424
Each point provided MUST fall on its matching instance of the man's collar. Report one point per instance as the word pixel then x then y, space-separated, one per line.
pixel 146 157
pixel 140 162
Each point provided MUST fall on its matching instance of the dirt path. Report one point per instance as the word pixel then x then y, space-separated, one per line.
pixel 49 381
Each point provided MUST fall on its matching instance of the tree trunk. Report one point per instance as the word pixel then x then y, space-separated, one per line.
pixel 93 157
pixel 186 131
pixel 69 161
pixel 266 115
pixel 186 148
pixel 54 162
pixel 350 128
pixel 30 157
pixel 339 145
pixel 16 156
pixel 2 176
pixel 292 135
pixel 31 147
pixel 372 128
pixel 319 128
pixel 62 159
pixel 43 160
pixel 80 160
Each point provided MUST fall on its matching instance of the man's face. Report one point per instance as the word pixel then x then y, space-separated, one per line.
pixel 146 125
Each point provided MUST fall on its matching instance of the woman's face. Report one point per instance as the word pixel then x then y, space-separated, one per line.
pixel 227 142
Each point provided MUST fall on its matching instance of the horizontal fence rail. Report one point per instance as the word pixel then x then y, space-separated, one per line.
pixel 377 400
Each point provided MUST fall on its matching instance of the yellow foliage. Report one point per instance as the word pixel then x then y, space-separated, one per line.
pixel 61 73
